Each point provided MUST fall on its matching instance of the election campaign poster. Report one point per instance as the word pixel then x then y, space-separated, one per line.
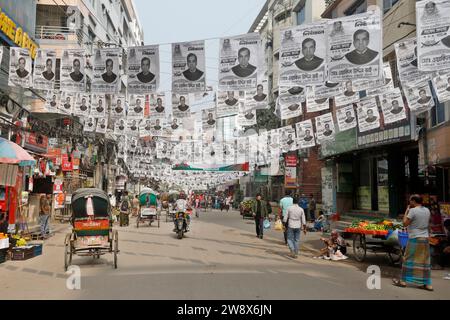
pixel 441 84
pixel 258 98
pixel 158 105
pixel 419 97
pixel 433 34
pixel 407 62
pixel 67 102
pixel 145 128
pixel 20 68
pixel 82 104
pixel 305 134
pixel 328 90
pixel 325 128
pixel 346 118
pixel 228 102
pixel 72 73
pixel 133 127
pixel 350 95
pixel 180 106
pixel 156 126
pixel 246 116
pixel 239 62
pixel 136 103
pixel 120 127
pixel 209 119
pixel 377 87
pixel 288 139
pixel 368 115
pixel 98 106
pixel 52 101
pixel 44 69
pixel 392 106
pixel 118 104
pixel 102 124
pixel 199 101
pixel 313 104
pixel 188 67
pixel 303 55
pixel 290 102
pixel 355 47
pixel 106 72
pixel 90 124
pixel 143 69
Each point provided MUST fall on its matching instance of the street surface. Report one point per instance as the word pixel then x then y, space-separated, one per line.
pixel 220 258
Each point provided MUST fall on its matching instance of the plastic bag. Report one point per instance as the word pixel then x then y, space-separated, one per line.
pixel 278 225
pixel 266 224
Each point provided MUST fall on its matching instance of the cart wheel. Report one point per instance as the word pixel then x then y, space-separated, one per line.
pixel 395 255
pixel 67 251
pixel 116 247
pixel 359 247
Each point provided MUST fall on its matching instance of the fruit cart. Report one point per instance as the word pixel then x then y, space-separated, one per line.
pixel 376 237
pixel 149 210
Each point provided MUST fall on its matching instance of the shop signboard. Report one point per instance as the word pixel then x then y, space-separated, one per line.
pixel 388 134
pixel 66 165
pixel 291 161
pixel 58 185
pixel 290 178
pixel 36 142
pixel 55 155
pixel 76 163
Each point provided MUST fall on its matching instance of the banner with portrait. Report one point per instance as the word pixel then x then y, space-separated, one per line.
pixel 258 98
pixel 288 139
pixel 419 97
pixel 20 68
pixel 145 128
pixel 303 55
pixel 136 103
pixel 228 102
pixel 158 105
pixel 407 62
pixel 44 70
pixel 118 105
pixel 188 67
pixel 290 102
pixel 209 119
pixel 82 105
pixel 392 106
pixel 143 69
pixel 350 95
pixel 239 62
pixel 229 153
pixel 433 34
pixel 346 118
pixel 441 85
pixel 273 140
pixel 368 115
pixel 242 150
pixel 120 127
pixel 180 105
pixel 102 125
pixel 133 127
pixel 67 102
pixel 355 47
pixel 72 73
pixel 315 105
pixel 106 73
pixel 156 126
pixel 325 128
pixel 89 124
pixel 98 106
pixel 305 134
pixel 53 101
pixel 246 116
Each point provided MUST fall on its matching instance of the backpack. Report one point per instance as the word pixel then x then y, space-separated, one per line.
pixel 124 206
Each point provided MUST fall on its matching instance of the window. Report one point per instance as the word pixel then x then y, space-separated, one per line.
pixel 358 7
pixel 438 113
pixel 388 4
pixel 301 16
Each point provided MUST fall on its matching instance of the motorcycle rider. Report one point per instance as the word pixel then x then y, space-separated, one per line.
pixel 182 205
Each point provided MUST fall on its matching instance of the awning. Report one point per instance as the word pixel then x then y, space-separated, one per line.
pixel 12 153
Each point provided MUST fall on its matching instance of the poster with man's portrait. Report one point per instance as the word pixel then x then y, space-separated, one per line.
pixel 98 106
pixel 288 139
pixel 158 105
pixel 325 127
pixel 180 105
pixel 72 73
pixel 273 140
pixel 346 118
pixel 44 69
pixel 357 53
pixel 305 134
pixel 145 128
pixel 258 98
pixel 239 62
pixel 89 124
pixel 156 126
pixel 143 69
pixel 433 34
pixel 392 106
pixel 133 127
pixel 106 73
pixel 303 55
pixel 52 101
pixel 441 84
pixel 350 95
pixel 407 62
pixel 120 127
pixel 290 102
pixel 242 150
pixel 368 115
pixel 246 116
pixel 102 125
pixel 419 97
pixel 313 104
pixel 118 106
pixel 82 105
pixel 209 119
pixel 378 87
pixel 136 104
pixel 188 67
pixel 228 102
pixel 67 102
pixel 20 66
pixel 328 90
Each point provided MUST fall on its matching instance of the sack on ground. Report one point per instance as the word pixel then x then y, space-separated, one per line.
pixel 278 226
pixel 266 224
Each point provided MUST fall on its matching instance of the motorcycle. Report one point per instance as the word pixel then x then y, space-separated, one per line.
pixel 181 223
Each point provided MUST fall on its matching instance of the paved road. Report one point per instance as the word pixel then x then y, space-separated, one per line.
pixel 220 259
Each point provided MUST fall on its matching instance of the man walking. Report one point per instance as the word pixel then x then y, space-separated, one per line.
pixel 259 210
pixel 296 221
pixel 44 214
pixel 124 210
pixel 285 203
pixel 312 208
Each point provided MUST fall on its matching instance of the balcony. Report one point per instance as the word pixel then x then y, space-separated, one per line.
pixel 48 35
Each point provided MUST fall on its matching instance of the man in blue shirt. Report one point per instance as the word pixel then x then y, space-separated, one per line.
pixel 303 203
pixel 285 203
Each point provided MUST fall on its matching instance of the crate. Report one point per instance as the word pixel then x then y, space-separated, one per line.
pixel 3 255
pixel 22 253
pixel 37 248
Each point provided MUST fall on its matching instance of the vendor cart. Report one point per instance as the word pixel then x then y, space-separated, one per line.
pixel 149 210
pixel 377 241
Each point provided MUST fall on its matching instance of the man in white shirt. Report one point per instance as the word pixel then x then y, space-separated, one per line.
pixel 296 220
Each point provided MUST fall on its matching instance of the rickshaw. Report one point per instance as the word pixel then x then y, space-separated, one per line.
pixel 92 234
pixel 149 210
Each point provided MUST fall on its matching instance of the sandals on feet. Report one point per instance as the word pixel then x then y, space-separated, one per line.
pixel 398 283
pixel 424 287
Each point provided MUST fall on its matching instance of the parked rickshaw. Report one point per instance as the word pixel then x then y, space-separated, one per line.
pixel 92 234
pixel 149 210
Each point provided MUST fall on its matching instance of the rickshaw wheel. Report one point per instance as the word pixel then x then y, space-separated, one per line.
pixel 116 247
pixel 159 219
pixel 137 222
pixel 359 247
pixel 395 255
pixel 67 251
